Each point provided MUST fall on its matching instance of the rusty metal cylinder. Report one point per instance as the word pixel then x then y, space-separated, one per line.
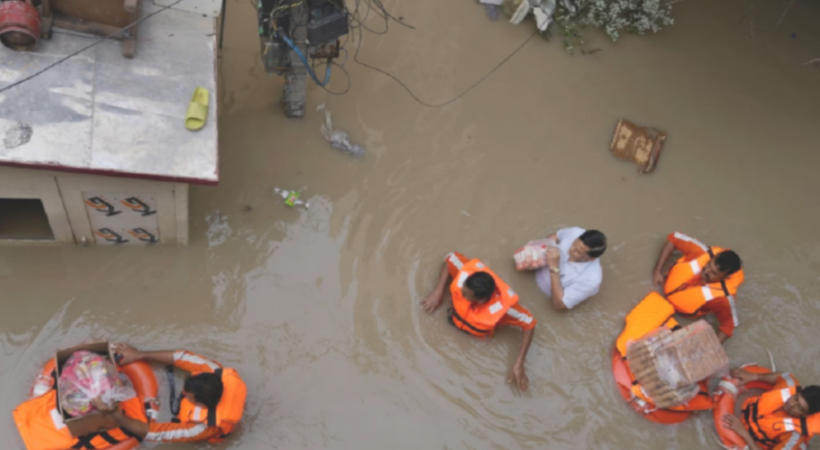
pixel 19 25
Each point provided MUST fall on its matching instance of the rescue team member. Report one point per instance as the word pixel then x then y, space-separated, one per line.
pixel 482 302
pixel 778 419
pixel 42 426
pixel 703 281
pixel 573 272
pixel 214 398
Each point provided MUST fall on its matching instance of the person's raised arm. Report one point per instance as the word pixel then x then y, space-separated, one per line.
pixel 658 277
pixel 127 354
pixel 518 374
pixel 433 301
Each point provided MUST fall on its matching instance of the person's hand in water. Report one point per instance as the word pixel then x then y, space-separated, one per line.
pixel 518 375
pixel 432 301
pixel 658 279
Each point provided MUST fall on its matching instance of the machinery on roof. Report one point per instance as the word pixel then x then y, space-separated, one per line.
pixel 295 35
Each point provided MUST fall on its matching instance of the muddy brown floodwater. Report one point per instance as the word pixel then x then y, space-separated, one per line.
pixel 318 309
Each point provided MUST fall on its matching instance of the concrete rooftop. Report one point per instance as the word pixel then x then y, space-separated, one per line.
pixel 101 113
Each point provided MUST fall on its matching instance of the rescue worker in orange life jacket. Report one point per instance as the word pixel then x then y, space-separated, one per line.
pixel 481 302
pixel 784 418
pixel 212 406
pixel 703 281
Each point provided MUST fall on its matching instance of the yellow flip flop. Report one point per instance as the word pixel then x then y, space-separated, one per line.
pixel 197 110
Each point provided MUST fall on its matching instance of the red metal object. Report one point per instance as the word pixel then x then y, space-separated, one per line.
pixel 19 25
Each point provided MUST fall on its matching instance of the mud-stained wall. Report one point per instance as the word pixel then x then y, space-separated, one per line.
pixel 102 210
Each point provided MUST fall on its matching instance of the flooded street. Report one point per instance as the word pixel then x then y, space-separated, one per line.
pixel 319 310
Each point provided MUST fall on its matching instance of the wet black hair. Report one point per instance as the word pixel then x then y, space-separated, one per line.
pixel 206 387
pixel 728 262
pixel 812 396
pixel 596 241
pixel 482 284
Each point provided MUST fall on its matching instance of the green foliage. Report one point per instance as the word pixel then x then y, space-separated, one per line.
pixel 612 16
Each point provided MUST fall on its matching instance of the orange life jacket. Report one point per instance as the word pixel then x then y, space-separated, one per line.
pixel 765 419
pixel 480 319
pixel 42 427
pixel 688 299
pixel 652 312
pixel 227 413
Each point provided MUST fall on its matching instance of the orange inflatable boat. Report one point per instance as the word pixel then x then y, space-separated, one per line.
pixel 42 428
pixel 652 312
pixel 726 403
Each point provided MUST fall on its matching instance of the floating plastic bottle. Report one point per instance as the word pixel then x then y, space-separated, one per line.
pixel 291 197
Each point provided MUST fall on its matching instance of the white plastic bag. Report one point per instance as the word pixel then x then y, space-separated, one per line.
pixel 86 376
pixel 533 255
pixel 338 139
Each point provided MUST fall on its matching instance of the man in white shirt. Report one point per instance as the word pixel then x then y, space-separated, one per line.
pixel 573 273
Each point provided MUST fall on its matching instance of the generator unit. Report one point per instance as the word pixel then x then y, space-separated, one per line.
pixel 327 20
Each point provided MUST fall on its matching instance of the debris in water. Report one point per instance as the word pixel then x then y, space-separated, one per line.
pixel 339 140
pixel 543 15
pixel 17 135
pixel 542 11
pixel 291 197
pixel 493 7
pixel 638 144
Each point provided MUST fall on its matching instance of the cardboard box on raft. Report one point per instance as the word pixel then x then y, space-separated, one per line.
pixel 95 421
pixel 670 364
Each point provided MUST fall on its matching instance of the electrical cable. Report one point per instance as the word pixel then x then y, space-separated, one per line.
pixel 386 15
pixel 222 22
pixel 361 22
pixel 306 63
pixel 349 81
pixel 94 44
pixel 356 23
pixel 457 97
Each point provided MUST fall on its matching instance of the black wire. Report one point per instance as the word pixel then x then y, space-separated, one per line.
pixel 356 23
pixel 349 81
pixel 98 42
pixel 222 22
pixel 439 105
pixel 386 15
pixel 361 21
